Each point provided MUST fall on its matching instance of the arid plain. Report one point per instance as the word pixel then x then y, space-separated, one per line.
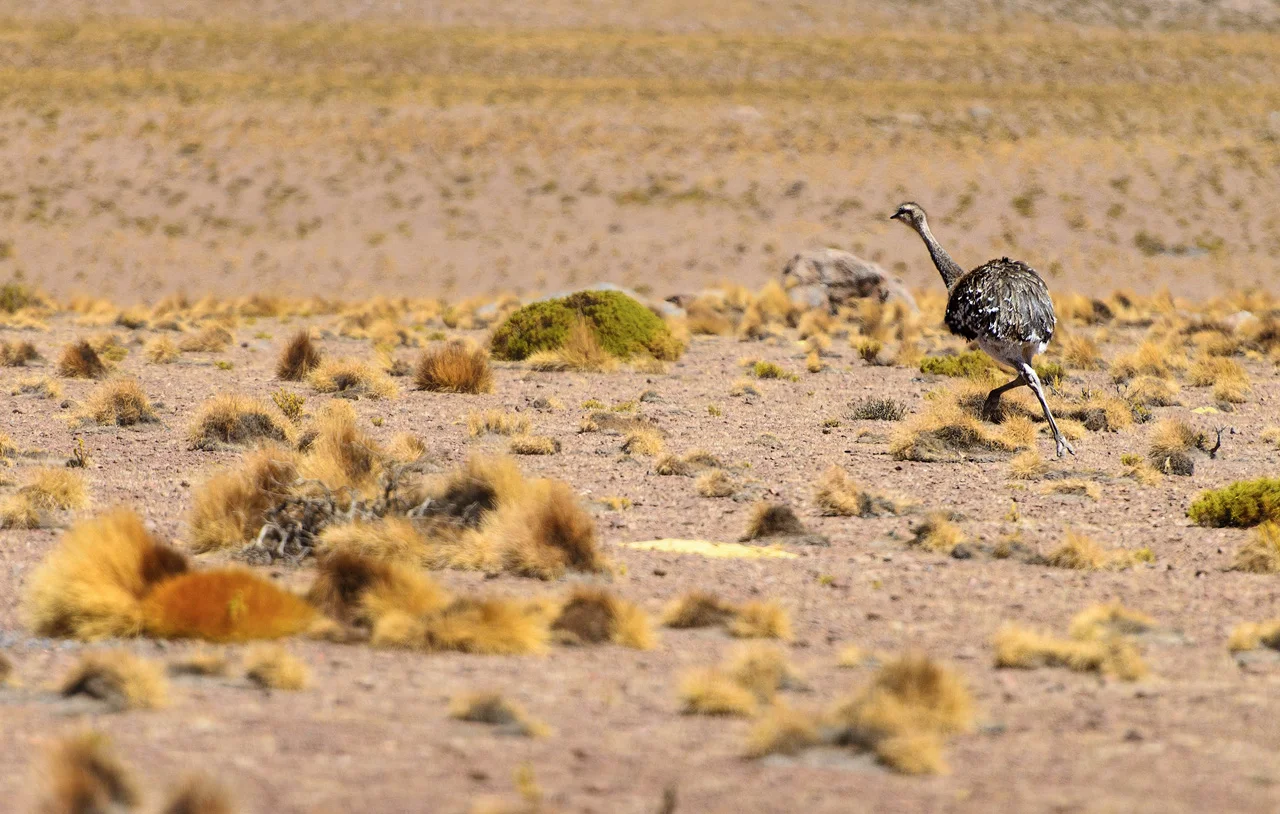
pixel 261 267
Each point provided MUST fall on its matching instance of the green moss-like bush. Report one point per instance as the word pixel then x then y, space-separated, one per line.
pixel 622 326
pixel 972 364
pixel 1243 503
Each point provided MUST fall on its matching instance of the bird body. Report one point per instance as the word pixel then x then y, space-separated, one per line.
pixel 1003 305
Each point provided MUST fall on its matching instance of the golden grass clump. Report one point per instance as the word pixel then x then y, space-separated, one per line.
pixel 643 440
pixel 1108 619
pixel 1261 554
pixel 837 494
pixel 1074 486
pixel 228 509
pixel 299 357
pixel 782 730
pixel 117 678
pixel 1172 439
pixel 946 427
pixel 594 616
pixel 545 532
pixel 497 422
pixel 160 350
pixel 1226 376
pixel 533 445
pixel 484 626
pixel 338 454
pixel 41 387
pixel 493 709
pixel 202 662
pixel 122 403
pixel 1082 553
pixel 17 353
pixel 232 605
pixel 210 339
pixel 763 669
pixel 1028 465
pixel 80 361
pixel 454 367
pixel 406 448
pixel 352 377
pixel 1270 435
pixel 387 539
pixel 1149 359
pixel 937 533
pixel 772 520
pixel 359 588
pixel 1151 391
pixel 761 620
pixel 581 352
pixel 92 584
pixel 712 692
pixel 1081 353
pixel 698 609
pixel 198 795
pixel 230 418
pixel 47 489
pixel 84 776
pixel 1252 635
pixel 715 483
pixel 902 715
pixel 1027 650
pixel 271 667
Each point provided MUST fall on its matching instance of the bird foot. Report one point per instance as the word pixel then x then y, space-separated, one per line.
pixel 1062 444
pixel 991 412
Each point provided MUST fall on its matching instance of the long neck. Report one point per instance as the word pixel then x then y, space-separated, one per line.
pixel 947 267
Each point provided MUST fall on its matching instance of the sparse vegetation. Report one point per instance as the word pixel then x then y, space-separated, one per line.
pixel 454 367
pixel 1241 504
pixel 120 402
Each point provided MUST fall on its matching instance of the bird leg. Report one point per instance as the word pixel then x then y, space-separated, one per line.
pixel 991 407
pixel 1029 373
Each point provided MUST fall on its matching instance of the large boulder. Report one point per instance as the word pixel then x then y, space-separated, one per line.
pixel 834 278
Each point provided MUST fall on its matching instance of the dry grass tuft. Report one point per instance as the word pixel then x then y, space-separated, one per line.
pixel 481 626
pixel 198 795
pixel 235 419
pixel 92 584
pixel 546 531
pixel 947 427
pixel 1110 654
pixel 122 403
pixel 715 483
pixel 1227 377
pixel 339 455
pixel 1252 635
pixel 1150 359
pixel 80 361
pixel 228 509
pixel 271 667
pixel 1081 553
pixel 352 377
pixel 117 678
pixel 1172 439
pixel 454 367
pixel 1261 554
pixel 877 409
pixel 298 358
pixel 594 616
pixel 86 777
pixel 50 488
pixel 1108 619
pixel 1151 391
pixel 902 715
pixel 497 422
pixel 233 605
pixel 491 708
pixel 1081 353
pixel 782 730
pixel 761 620
pixel 41 387
pixel 643 441
pixel 1074 486
pixel 582 352
pixel 202 662
pixel 773 520
pixel 698 609
pixel 1028 465
pixel 360 588
pixel 763 669
pixel 160 350
pixel 388 539
pixel 211 339
pixel 533 445
pixel 937 533
pixel 838 495
pixel 17 353
pixel 712 692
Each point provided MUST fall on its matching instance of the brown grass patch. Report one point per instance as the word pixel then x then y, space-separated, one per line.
pixel 643 441
pixel 1081 353
pixel 454 367
pixel 497 422
pixel 711 692
pixel 357 588
pixel 86 777
pixel 772 520
pixel 202 662
pixel 491 708
pixel 1261 554
pixel 230 418
pixel 41 387
pixel 481 626
pixel 299 357
pixel 117 678
pixel 211 339
pixel 1252 635
pixel 198 795
pixel 122 403
pixel 228 509
pixel 715 483
pixel 595 616
pixel 80 361
pixel 339 455
pixel 936 533
pixel 92 584
pixel 352 377
pixel 839 495
pixel 1110 655
pixel 17 353
pixel 698 609
pixel 160 350
pixel 782 730
pixel 533 445
pixel 946 428
pixel 545 532
pixel 761 620
pixel 271 667
pixel 1081 553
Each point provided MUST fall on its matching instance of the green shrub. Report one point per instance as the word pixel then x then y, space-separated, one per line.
pixel 972 364
pixel 1243 503
pixel 13 296
pixel 622 326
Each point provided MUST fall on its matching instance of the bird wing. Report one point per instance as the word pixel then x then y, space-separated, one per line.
pixel 1003 300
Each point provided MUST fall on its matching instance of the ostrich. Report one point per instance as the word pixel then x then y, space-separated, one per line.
pixel 1003 305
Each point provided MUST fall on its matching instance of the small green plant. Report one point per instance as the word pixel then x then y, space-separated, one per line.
pixel 223 364
pixel 1051 373
pixel 714 411
pixel 14 295
pixel 869 350
pixel 1241 504
pixel 376 421
pixel 79 456
pixel 593 404
pixel 290 404
pixel 877 409
pixel 771 370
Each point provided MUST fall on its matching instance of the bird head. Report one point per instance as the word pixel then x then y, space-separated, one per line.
pixel 909 213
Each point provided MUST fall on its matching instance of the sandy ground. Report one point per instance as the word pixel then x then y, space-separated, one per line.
pixel 373 731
